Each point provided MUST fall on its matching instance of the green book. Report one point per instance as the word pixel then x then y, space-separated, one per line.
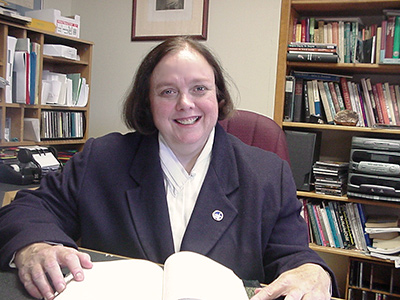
pixel 396 40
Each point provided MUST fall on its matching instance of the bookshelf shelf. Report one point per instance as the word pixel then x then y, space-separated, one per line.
pixel 346 253
pixel 336 139
pixel 14 113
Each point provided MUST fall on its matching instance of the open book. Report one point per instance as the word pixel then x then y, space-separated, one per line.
pixel 185 276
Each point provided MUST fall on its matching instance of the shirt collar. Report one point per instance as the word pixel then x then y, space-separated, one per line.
pixel 174 171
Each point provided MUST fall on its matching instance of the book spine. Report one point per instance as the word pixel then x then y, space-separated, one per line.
pixel 375 102
pixel 306 103
pixel 313 220
pixel 289 99
pixel 330 100
pixel 332 225
pixel 363 220
pixel 389 104
pixel 298 99
pixel 317 57
pixel 321 225
pixel 394 103
pixel 335 219
pixel 396 38
pixel 383 40
pixel 379 92
pixel 359 98
pixel 389 37
pixel 294 29
pixel 347 227
pixel 334 97
pixel 325 104
pixel 346 93
pixel 339 96
pixel 317 101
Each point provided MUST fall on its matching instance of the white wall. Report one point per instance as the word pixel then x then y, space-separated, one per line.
pixel 243 34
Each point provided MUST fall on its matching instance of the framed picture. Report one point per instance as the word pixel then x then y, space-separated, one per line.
pixel 159 19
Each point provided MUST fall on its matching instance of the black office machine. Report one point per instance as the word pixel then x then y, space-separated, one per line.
pixel 374 170
pixel 31 165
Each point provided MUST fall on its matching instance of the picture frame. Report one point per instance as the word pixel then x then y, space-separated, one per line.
pixel 154 20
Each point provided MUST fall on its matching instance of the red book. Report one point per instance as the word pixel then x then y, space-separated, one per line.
pixel 294 29
pixel 394 102
pixel 382 101
pixel 304 30
pixel 334 96
pixel 390 36
pixel 373 94
pixel 346 93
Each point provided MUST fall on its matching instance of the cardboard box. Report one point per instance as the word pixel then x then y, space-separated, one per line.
pixel 69 26
pixel 60 51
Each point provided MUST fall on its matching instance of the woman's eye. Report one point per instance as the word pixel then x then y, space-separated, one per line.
pixel 200 88
pixel 168 92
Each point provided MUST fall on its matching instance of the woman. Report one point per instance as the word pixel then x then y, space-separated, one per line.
pixel 178 183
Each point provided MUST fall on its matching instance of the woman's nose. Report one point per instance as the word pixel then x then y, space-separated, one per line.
pixel 185 101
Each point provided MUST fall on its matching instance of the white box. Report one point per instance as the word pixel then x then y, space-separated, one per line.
pixel 60 51
pixel 69 26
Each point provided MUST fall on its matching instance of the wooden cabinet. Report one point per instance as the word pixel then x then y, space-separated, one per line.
pixel 336 139
pixel 12 115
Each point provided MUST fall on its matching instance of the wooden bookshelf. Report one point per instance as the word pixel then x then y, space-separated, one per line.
pixel 336 139
pixel 17 112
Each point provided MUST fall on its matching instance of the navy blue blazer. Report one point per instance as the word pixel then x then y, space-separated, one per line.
pixel 111 196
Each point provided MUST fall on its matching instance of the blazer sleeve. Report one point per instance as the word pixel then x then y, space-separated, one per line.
pixel 46 214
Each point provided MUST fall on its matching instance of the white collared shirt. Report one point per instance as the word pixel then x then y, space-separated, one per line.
pixel 181 188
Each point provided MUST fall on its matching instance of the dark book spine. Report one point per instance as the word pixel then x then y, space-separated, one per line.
pixel 315 57
pixel 298 99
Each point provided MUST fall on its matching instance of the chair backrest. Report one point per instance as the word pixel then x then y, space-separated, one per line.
pixel 257 130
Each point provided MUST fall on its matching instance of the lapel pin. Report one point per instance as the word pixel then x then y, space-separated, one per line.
pixel 217 215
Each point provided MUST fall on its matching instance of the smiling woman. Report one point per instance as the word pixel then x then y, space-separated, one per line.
pixel 179 182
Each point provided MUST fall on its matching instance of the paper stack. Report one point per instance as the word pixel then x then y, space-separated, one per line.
pixel 384 231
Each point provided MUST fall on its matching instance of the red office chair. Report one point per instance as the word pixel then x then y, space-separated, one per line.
pixel 257 130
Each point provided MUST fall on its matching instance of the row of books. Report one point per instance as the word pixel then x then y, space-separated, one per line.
pixel 315 52
pixel 356 42
pixel 336 224
pixel 23 77
pixel 324 95
pixel 62 124
pixel 22 71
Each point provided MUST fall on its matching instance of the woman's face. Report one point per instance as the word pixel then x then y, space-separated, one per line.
pixel 183 99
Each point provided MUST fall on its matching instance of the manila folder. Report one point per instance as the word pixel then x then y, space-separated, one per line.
pixel 185 276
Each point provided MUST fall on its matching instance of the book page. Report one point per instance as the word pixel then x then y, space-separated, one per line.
pixel 192 276
pixel 118 279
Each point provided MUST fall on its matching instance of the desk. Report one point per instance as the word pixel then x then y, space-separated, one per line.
pixel 8 191
pixel 11 287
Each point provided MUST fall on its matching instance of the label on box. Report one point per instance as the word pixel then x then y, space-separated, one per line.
pixel 67 28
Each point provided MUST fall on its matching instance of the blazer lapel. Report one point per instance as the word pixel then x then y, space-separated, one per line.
pixel 205 228
pixel 147 201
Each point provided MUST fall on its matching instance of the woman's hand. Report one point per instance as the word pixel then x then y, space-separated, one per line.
pixel 39 261
pixel 309 281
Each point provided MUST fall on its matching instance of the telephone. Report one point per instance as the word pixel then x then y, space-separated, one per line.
pixel 33 163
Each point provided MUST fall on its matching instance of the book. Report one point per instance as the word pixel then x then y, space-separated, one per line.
pixel 11 43
pixel 325 103
pixel 346 93
pixel 289 99
pixel 390 36
pixel 312 56
pixel 396 38
pixel 186 275
pixel 382 221
pixel 298 100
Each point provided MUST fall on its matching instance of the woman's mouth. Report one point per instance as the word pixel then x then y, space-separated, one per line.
pixel 187 121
